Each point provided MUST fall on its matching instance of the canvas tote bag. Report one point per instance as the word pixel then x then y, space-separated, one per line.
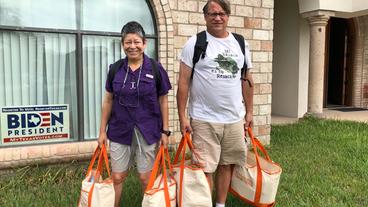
pixel 256 183
pixel 95 191
pixel 161 189
pixel 193 188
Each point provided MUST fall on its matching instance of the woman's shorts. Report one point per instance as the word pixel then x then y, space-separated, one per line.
pixel 124 156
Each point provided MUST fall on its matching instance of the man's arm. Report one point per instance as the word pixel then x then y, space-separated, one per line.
pixel 182 96
pixel 248 91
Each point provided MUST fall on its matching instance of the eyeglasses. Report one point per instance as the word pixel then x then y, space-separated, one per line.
pixel 130 98
pixel 215 14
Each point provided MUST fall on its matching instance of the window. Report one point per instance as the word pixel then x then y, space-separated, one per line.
pixel 58 52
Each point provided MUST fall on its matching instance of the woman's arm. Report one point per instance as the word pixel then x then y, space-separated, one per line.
pixel 105 116
pixel 164 106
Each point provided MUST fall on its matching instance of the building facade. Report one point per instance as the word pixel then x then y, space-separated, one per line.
pixel 54 58
pixel 320 56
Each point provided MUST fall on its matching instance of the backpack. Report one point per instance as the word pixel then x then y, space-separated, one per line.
pixel 117 65
pixel 201 46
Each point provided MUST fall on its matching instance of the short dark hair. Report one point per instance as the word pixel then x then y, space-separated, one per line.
pixel 133 27
pixel 225 5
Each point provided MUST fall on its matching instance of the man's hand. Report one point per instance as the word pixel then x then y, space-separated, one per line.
pixel 185 126
pixel 248 121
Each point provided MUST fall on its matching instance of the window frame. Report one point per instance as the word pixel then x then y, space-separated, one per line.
pixel 79 62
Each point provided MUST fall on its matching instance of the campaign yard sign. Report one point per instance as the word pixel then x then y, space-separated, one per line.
pixel 34 124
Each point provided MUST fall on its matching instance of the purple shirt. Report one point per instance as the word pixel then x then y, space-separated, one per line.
pixel 135 103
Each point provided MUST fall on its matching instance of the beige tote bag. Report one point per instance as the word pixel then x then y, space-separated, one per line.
pixel 95 191
pixel 193 188
pixel 256 183
pixel 161 189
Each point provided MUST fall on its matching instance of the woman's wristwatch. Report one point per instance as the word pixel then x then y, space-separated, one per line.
pixel 167 132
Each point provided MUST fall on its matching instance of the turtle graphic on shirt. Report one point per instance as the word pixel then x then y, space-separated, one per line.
pixel 226 63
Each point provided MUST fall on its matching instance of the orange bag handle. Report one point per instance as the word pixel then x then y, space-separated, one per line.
pixel 185 141
pixel 258 145
pixel 102 156
pixel 160 159
pixel 101 153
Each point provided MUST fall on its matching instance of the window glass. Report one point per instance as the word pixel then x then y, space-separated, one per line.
pixel 111 15
pixel 38 69
pixel 40 13
pixel 98 53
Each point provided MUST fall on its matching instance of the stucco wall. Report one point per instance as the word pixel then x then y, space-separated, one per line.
pixel 285 86
pixel 343 8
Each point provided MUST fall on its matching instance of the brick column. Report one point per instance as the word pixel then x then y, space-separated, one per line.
pixel 317 22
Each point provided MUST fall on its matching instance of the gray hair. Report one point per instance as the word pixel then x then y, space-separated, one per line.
pixel 225 5
pixel 133 27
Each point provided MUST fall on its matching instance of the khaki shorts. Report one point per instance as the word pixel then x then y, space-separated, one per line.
pixel 219 144
pixel 123 156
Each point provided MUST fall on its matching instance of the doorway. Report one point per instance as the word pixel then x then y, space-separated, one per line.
pixel 338 76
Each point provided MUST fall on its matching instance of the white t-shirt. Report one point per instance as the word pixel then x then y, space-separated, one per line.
pixel 216 92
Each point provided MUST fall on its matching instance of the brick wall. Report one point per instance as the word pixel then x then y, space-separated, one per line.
pixel 360 65
pixel 364 75
pixel 254 20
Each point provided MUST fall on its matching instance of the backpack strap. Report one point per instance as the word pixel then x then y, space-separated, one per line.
pixel 156 74
pixel 241 42
pixel 201 46
pixel 199 49
pixel 114 68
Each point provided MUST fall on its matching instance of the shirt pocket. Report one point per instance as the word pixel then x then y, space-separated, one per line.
pixel 147 86
pixel 116 86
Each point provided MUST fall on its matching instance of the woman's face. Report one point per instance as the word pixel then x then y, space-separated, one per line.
pixel 133 46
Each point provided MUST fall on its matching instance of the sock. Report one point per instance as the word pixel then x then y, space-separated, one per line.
pixel 220 205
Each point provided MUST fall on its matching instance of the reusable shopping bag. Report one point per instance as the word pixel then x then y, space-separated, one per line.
pixel 256 183
pixel 193 188
pixel 95 191
pixel 161 189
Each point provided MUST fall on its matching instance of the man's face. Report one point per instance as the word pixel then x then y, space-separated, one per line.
pixel 216 18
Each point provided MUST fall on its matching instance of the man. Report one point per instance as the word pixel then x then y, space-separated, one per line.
pixel 217 90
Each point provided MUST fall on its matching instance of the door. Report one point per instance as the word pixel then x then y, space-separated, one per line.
pixel 338 70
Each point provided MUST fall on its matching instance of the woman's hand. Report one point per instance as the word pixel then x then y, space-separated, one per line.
pixel 164 140
pixel 102 139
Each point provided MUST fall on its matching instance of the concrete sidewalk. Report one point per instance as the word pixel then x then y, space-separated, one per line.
pixel 329 113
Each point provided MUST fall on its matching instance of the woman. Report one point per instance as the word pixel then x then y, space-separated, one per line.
pixel 135 109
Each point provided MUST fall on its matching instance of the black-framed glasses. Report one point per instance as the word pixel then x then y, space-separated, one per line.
pixel 215 14
pixel 131 97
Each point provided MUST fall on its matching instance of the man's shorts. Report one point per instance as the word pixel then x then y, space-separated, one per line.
pixel 219 144
pixel 123 156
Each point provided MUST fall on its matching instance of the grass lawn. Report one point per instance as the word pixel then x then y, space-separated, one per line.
pixel 325 163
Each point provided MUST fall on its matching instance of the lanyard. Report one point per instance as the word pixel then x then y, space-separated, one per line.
pixel 138 81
